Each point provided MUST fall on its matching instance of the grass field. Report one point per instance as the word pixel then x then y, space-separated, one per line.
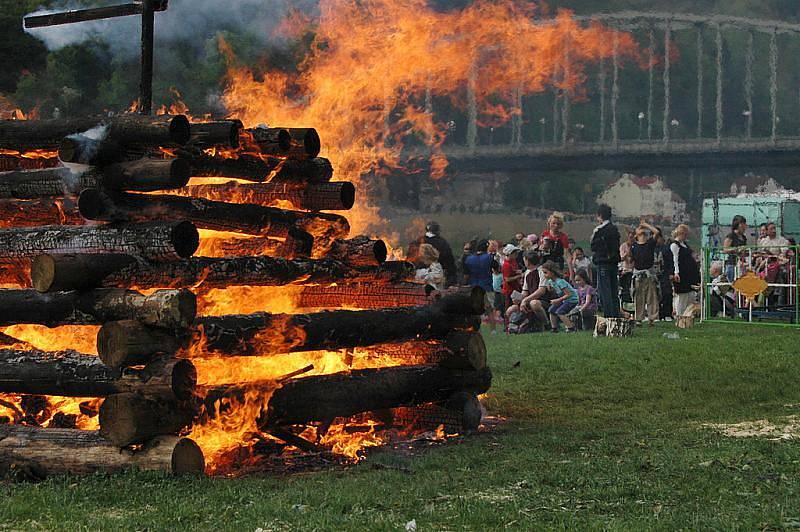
pixel 599 434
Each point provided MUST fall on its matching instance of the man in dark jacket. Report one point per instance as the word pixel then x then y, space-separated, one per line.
pixel 446 259
pixel 605 247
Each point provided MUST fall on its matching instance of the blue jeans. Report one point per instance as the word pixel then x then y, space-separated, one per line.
pixel 608 289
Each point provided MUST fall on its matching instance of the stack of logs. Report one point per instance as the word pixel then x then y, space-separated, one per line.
pixel 109 238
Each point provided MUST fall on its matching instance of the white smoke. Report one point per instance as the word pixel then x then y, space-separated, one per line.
pixel 190 21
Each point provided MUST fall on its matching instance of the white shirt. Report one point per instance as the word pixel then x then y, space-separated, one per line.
pixel 432 275
pixel 675 248
pixel 773 245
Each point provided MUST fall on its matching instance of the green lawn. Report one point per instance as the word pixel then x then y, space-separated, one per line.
pixel 600 434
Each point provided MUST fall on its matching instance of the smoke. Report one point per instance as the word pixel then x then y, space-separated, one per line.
pixel 187 21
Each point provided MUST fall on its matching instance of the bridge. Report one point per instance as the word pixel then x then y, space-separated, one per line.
pixel 629 119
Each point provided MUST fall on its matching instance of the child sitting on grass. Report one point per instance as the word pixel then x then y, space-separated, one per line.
pixel 587 300
pixel 566 297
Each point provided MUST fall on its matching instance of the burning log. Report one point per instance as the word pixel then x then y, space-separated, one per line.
pixel 234 217
pixel 294 143
pixel 25 135
pixel 131 343
pixel 129 418
pixel 312 197
pixel 218 133
pixel 126 137
pixel 71 374
pixel 127 343
pixel 258 169
pixel 263 333
pixel 34 213
pixel 326 397
pixel 271 140
pixel 459 350
pixel 48 182
pixel 48 452
pixel 14 161
pixel 359 251
pixel 364 295
pixel 460 413
pixel 157 241
pixel 15 273
pixel 59 273
pixel 298 244
pixel 163 308
pixel 147 175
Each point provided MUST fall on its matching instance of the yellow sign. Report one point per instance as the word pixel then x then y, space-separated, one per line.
pixel 750 285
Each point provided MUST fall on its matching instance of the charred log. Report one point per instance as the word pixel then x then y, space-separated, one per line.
pixel 459 350
pixel 223 133
pixel 130 418
pixel 263 333
pixel 260 169
pixel 49 182
pixel 71 374
pixel 294 143
pixel 147 175
pixel 58 273
pixel 359 251
pixel 40 453
pixel 24 135
pixel 325 397
pixel 157 241
pixel 234 217
pixel 163 308
pixel 312 197
pixel 460 413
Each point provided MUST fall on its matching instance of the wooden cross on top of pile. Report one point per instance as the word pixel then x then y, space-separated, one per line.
pixel 145 8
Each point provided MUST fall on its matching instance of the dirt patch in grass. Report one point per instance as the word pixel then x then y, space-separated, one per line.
pixel 786 429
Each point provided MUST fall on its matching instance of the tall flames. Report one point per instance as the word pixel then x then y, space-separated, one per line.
pixel 373 68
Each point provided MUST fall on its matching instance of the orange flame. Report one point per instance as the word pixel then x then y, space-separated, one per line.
pixel 374 66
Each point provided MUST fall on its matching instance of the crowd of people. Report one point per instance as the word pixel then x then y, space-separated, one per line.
pixel 539 282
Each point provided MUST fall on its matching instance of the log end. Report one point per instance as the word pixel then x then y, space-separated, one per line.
pixel 469 407
pixel 130 343
pixel 118 419
pixel 92 205
pixel 180 129
pixel 70 150
pixel 311 142
pixel 184 379
pixel 348 195
pixel 43 273
pixel 381 251
pixel 468 348
pixel 185 239
pixel 180 172
pixel 188 458
pixel 186 307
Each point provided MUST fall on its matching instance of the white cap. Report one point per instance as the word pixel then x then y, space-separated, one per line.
pixel 509 249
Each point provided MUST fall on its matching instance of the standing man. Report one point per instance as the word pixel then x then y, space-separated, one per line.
pixel 605 247
pixel 446 259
